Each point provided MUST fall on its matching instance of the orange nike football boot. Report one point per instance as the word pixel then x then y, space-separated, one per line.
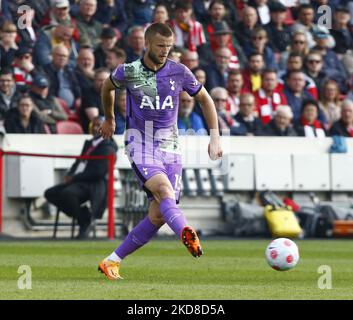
pixel 110 269
pixel 191 241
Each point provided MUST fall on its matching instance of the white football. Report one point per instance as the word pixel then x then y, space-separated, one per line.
pixel 282 254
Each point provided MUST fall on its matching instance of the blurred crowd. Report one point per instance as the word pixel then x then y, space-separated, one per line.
pixel 273 68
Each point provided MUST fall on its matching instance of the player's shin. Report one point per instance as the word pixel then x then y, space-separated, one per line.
pixel 172 215
pixel 137 237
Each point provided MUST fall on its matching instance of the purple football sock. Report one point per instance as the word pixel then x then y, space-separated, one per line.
pixel 137 237
pixel 172 215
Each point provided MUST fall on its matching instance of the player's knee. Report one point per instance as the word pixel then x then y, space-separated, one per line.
pixel 165 191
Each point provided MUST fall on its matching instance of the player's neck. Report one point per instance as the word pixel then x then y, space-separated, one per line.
pixel 150 64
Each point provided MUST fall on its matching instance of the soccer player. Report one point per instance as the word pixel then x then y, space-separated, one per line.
pixel 153 84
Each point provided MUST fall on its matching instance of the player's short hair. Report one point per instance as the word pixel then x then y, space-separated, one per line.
pixel 161 28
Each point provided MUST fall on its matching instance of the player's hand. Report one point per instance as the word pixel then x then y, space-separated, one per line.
pixel 215 149
pixel 107 129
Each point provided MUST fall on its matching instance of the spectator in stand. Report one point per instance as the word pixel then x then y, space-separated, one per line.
pixel 47 107
pixel 295 92
pixel 160 15
pixel 188 32
pixel 330 102
pixel 306 24
pixel 245 121
pixel 84 70
pixel 109 40
pixel 112 13
pixel 308 125
pixel 91 99
pixel 59 12
pixel 281 125
pixel 220 96
pixel 120 115
pixel 139 12
pixel 258 43
pixel 217 13
pixel 135 43
pixel 252 74
pixel 8 44
pixel 344 125
pixel 341 30
pixel 62 79
pixel 313 67
pixel 295 62
pixel 50 37
pixel 222 38
pixel 175 54
pixel 90 28
pixel 268 97
pixel 217 73
pixel 279 35
pixel 115 57
pixel 299 44
pixel 263 10
pixel 23 119
pixel 189 122
pixel 23 67
pixel 247 25
pixel 9 95
pixel 190 59
pixel 235 89
pixel 85 181
pixel 343 35
pixel 331 64
pixel 200 75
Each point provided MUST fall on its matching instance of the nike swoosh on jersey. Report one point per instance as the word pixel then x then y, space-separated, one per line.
pixel 138 85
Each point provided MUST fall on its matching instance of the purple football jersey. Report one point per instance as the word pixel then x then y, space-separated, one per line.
pixel 153 98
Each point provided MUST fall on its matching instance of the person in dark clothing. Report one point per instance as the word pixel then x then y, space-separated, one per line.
pixel 63 81
pixel 85 181
pixel 246 124
pixel 280 125
pixel 9 95
pixel 91 99
pixel 344 126
pixel 22 119
pixel 46 106
pixel 279 34
pixel 308 124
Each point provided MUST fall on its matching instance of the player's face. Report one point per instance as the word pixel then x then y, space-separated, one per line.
pixel 158 48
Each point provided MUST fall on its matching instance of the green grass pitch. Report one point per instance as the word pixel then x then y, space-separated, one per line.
pixel 230 269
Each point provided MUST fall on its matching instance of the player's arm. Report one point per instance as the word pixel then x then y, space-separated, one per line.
pixel 108 96
pixel 210 114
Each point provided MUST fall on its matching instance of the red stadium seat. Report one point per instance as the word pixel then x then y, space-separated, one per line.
pixel 68 127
